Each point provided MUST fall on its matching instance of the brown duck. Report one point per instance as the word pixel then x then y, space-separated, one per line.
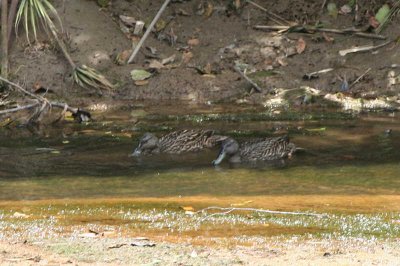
pixel 178 142
pixel 264 150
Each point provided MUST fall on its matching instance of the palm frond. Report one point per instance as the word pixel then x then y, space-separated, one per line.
pixel 33 12
pixel 86 76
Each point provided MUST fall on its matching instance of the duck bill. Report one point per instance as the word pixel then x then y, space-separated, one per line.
pixel 221 156
pixel 136 152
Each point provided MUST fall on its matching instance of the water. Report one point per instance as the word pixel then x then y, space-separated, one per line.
pixel 345 154
pixel 65 179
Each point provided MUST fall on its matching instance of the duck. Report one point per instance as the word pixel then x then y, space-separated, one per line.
pixel 178 142
pixel 263 150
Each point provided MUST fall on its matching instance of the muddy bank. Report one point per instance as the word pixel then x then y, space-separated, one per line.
pixel 217 42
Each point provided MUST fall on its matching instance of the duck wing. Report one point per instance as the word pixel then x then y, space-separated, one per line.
pixel 185 141
pixel 268 149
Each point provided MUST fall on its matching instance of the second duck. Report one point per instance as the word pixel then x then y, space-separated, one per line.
pixel 267 149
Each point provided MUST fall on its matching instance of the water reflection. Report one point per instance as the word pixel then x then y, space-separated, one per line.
pixel 351 156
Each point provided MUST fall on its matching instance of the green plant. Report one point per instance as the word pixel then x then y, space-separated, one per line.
pixel 32 12
pixel 389 15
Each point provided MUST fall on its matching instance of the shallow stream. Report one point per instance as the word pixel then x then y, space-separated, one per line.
pixel 350 164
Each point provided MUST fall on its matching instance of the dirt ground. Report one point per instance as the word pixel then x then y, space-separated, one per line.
pixel 102 251
pixel 212 37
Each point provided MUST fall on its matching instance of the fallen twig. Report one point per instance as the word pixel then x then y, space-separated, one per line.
pixel 359 78
pixel 117 246
pixel 277 19
pixel 356 32
pixel 148 30
pixel 322 7
pixel 22 89
pixel 79 114
pixel 63 106
pixel 390 66
pixel 364 48
pixel 20 108
pixel 314 75
pixel 312 29
pixel 258 89
pixel 217 213
pixel 231 209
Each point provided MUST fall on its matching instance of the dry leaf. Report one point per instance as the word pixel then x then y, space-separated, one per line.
pixel 187 208
pixel 152 50
pixel 237 4
pixel 373 22
pixel 345 9
pixel 242 203
pixel 141 82
pixel 155 64
pixel 108 233
pixel 20 215
pixel 124 29
pixel 182 12
pixel 193 42
pixel 122 57
pixel 207 69
pixel 129 21
pixel 186 57
pixel 281 61
pixel 209 76
pixel 301 46
pixel 209 9
pixel 168 60
pixel 327 38
pixel 160 25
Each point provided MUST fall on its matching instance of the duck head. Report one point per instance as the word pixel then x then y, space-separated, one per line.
pixel 148 143
pixel 291 149
pixel 230 148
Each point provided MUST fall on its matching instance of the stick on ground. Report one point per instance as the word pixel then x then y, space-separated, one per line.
pixel 359 78
pixel 312 29
pixel 277 19
pixel 229 210
pixel 364 48
pixel 258 89
pixel 23 90
pixel 148 30
pixel 19 108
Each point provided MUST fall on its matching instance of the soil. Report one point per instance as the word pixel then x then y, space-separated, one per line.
pixel 217 42
pixel 103 251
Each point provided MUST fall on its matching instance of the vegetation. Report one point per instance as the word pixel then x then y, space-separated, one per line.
pixel 32 14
